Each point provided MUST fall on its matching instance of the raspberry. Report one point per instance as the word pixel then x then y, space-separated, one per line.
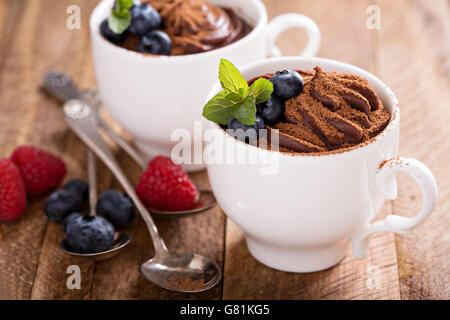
pixel 41 171
pixel 13 198
pixel 166 186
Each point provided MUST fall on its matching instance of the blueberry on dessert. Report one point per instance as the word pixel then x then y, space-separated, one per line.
pixel 272 111
pixel 61 203
pixel 143 19
pixel 111 35
pixel 193 26
pixel 117 207
pixel 89 234
pixel 155 42
pixel 287 84
pixel 244 131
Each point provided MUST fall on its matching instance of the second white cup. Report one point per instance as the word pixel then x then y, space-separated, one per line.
pixel 151 97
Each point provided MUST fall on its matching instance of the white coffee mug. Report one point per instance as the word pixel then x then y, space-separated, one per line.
pixel 299 217
pixel 151 97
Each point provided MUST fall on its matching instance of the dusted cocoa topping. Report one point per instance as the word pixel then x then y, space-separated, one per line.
pixel 334 111
pixel 195 26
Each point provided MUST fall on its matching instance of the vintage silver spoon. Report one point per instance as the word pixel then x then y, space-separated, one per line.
pixel 186 272
pixel 63 88
pixel 121 239
pixel 178 272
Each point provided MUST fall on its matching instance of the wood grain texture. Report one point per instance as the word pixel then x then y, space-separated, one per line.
pixel 415 62
pixel 31 263
pixel 376 277
pixel 410 53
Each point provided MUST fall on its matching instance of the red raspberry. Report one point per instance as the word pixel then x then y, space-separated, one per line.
pixel 13 198
pixel 166 186
pixel 41 171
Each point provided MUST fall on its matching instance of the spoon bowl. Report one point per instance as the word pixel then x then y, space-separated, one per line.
pixel 121 240
pixel 182 273
pixel 205 201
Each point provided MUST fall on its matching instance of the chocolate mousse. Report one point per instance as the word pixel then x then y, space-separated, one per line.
pixel 333 111
pixel 194 26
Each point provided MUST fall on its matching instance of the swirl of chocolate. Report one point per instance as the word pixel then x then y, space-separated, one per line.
pixel 334 111
pixel 197 26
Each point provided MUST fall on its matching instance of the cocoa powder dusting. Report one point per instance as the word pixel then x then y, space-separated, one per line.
pixel 334 111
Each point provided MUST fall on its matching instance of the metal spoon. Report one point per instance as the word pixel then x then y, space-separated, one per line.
pixel 186 272
pixel 121 239
pixel 63 88
pixel 178 272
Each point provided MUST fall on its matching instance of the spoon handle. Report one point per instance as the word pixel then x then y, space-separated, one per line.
pixel 83 121
pixel 61 86
pixel 124 145
pixel 80 118
pixel 92 177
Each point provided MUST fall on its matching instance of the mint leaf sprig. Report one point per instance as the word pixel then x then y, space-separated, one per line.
pixel 120 17
pixel 237 99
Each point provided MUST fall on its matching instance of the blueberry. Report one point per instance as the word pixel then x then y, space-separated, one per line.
pixel 116 207
pixel 61 203
pixel 287 84
pixel 155 42
pixel 89 234
pixel 271 111
pixel 79 186
pixel 109 34
pixel 249 132
pixel 143 19
pixel 68 220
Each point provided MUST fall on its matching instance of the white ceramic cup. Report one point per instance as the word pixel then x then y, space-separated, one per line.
pixel 153 96
pixel 301 218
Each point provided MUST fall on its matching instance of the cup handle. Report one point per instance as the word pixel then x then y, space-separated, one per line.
pixel 397 224
pixel 291 20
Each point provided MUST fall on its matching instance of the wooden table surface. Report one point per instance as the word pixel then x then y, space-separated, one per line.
pixel 410 53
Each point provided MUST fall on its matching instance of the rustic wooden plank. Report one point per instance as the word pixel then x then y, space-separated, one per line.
pixel 415 61
pixel 10 13
pixel 118 277
pixel 375 277
pixel 21 240
pixel 34 119
pixel 28 247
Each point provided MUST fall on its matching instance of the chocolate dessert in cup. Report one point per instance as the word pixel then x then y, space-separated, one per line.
pixel 153 95
pixel 300 205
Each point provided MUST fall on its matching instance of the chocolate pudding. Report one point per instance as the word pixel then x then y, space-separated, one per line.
pixel 334 111
pixel 194 26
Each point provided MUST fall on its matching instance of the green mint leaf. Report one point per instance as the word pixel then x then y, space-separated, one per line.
pixel 218 109
pixel 120 17
pixel 245 111
pixel 123 5
pixel 234 100
pixel 119 24
pixel 231 79
pixel 233 97
pixel 262 90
